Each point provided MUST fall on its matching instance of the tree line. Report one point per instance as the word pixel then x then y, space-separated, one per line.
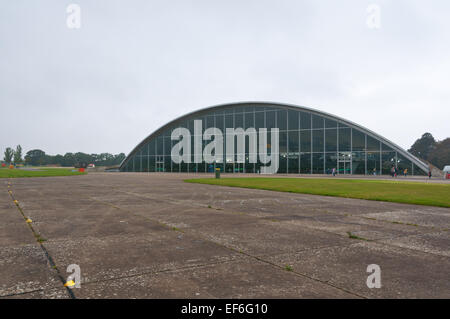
pixel 426 148
pixel 432 151
pixel 38 157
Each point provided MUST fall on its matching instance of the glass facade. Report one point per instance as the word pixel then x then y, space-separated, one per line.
pixel 309 143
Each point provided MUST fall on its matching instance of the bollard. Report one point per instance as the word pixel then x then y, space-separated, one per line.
pixel 218 172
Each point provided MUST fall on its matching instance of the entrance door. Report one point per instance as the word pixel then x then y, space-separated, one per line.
pixel 159 163
pixel 239 167
pixel 344 163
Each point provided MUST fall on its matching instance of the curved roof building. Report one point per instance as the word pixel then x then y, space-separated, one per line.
pixel 264 137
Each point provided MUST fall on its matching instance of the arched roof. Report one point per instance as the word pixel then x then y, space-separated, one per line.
pixel 209 109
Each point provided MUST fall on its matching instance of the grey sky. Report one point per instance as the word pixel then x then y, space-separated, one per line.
pixel 135 65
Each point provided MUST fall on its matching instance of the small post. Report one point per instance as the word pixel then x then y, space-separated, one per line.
pixel 217 172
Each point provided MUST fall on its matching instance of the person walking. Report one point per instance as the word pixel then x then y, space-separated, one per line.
pixel 392 171
pixel 333 171
pixel 429 174
pixel 405 172
pixel 374 171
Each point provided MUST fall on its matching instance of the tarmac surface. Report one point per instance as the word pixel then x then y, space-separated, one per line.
pixel 137 235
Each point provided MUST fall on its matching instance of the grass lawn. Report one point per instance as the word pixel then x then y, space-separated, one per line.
pixel 39 172
pixel 431 194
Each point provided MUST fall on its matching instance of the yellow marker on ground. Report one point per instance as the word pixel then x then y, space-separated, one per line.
pixel 29 220
pixel 69 284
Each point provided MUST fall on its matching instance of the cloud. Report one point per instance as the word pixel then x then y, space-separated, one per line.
pixel 135 65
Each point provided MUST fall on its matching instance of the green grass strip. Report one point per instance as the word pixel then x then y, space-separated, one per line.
pixel 418 193
pixel 39 172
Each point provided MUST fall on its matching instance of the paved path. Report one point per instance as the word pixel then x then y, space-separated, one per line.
pixel 138 235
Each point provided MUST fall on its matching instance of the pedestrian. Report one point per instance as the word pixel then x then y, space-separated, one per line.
pixel 392 171
pixel 374 171
pixel 333 171
pixel 405 172
pixel 429 174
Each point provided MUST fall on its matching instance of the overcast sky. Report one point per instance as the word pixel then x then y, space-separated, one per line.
pixel 135 65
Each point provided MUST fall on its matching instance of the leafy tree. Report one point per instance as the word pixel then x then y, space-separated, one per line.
pixel 35 157
pixel 440 155
pixel 18 155
pixel 9 153
pixel 68 159
pixel 423 146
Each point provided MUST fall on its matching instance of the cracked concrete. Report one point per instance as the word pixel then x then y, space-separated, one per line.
pixel 138 235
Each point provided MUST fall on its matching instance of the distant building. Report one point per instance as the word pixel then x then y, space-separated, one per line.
pixel 262 137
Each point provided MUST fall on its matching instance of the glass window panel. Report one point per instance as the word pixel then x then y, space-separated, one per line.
pixel 270 119
pixel 219 119
pixel 294 145
pixel 138 163
pixel 404 165
pixel 249 109
pixel 183 167
pixel 239 109
pixel 283 143
pixel 293 152
pixel 305 120
pixel 317 121
pixel 331 140
pixel 344 140
pixel 151 163
pixel 358 163
pixel 209 122
pixel 159 143
pixel 293 118
pixel 305 141
pixel 384 148
pixel 372 144
pixel 259 108
pixel 282 120
pixel 151 147
pixel 358 140
pixel 259 120
pixel 418 171
pixel 219 113
pixel 330 123
pixel 330 162
pixel 283 153
pixel 167 145
pixel 229 121
pixel 190 125
pixel 318 159
pixel 342 125
pixel 166 163
pixel 305 163
pixel 144 149
pixel 318 142
pixel 238 120
pixel 373 163
pixel 229 110
pixel 388 161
